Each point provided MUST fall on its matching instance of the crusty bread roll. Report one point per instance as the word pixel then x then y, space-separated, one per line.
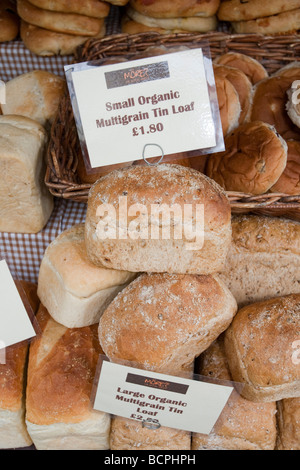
pixel 293 102
pixel 67 23
pixel 269 103
pixel 242 85
pixel 128 434
pixel 229 104
pixel 289 181
pixel 176 8
pixel 25 202
pixel 129 26
pixel 286 22
pixel 61 371
pixel 259 348
pixel 164 187
pixel 190 24
pixel 35 95
pixel 253 69
pixel 264 258
pixel 242 425
pixel 161 322
pixel 235 10
pixel 74 291
pixel 254 159
pixel 13 431
pixel 9 21
pixel 93 8
pixel 288 419
pixel 46 43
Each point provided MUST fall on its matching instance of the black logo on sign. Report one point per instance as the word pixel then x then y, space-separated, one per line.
pixel 157 383
pixel 132 75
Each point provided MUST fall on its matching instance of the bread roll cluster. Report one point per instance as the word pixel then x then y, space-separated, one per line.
pixel 9 21
pixel 254 16
pixel 260 125
pixel 59 27
pixel 170 16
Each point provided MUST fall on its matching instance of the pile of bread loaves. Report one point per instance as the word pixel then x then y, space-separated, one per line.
pixel 226 305
pixel 255 16
pixel 170 16
pixel 261 118
pixel 59 27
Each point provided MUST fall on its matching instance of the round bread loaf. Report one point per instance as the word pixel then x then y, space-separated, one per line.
pixel 175 8
pixel 9 21
pixel 260 348
pixel 269 103
pixel 67 23
pixel 289 181
pixel 254 159
pixel 191 23
pixel 251 67
pixel 43 42
pixel 286 22
pixel 161 322
pixel 155 221
pixel 241 84
pixel 229 104
pixel 93 8
pixel 237 10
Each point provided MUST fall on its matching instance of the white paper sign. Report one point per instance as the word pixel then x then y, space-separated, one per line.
pixel 174 402
pixel 15 324
pixel 160 100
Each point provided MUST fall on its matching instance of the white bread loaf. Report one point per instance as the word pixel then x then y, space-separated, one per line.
pixel 158 246
pixel 74 291
pixel 13 431
pixel 264 258
pixel 25 202
pixel 61 371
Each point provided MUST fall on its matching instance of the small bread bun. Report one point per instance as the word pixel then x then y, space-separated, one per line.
pixel 286 22
pixel 237 10
pixel 93 8
pixel 254 159
pixel 259 345
pixel 229 104
pixel 9 21
pixel 293 103
pixel 176 8
pixel 289 181
pixel 251 67
pixel 242 85
pixel 269 103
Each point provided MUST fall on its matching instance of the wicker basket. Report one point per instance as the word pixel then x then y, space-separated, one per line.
pixel 273 52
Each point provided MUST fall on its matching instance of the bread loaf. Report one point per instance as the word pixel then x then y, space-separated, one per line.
pixel 242 425
pixel 288 419
pixel 264 258
pixel 25 202
pixel 61 371
pixel 13 431
pixel 156 246
pixel 253 69
pixel 176 8
pixel 9 21
pixel 93 8
pixel 161 322
pixel 259 346
pixel 74 291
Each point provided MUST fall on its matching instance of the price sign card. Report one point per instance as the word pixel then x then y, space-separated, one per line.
pixel 164 100
pixel 15 324
pixel 174 402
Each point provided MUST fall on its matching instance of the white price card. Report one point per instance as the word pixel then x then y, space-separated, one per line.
pixel 160 102
pixel 15 324
pixel 174 402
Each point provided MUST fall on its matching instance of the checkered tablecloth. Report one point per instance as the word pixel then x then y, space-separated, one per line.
pixel 24 252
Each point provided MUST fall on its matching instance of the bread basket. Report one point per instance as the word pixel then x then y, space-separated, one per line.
pixel 273 52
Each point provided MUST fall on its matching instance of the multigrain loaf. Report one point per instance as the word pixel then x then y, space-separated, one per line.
pixel 74 291
pixel 161 322
pixel 264 258
pixel 138 241
pixel 260 349
pixel 13 431
pixel 242 425
pixel 288 419
pixel 61 373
